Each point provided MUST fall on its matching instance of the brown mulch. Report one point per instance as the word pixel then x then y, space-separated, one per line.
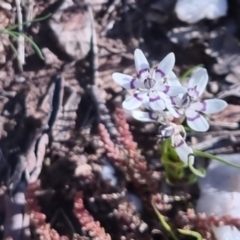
pixel 73 164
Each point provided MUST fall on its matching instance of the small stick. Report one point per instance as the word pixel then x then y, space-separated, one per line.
pixel 209 143
pixel 20 40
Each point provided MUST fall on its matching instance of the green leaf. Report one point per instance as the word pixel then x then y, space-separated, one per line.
pixel 34 45
pixel 26 22
pixel 198 172
pixel 189 72
pixel 188 129
pixel 10 33
pixel 191 233
pixel 166 226
pixel 210 156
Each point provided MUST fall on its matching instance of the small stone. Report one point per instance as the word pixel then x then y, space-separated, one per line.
pixel 73 32
pixel 214 88
pixel 195 10
pixel 49 57
pixel 143 227
pixel 220 194
pixel 20 79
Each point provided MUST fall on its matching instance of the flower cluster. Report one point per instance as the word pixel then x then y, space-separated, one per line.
pixel 165 99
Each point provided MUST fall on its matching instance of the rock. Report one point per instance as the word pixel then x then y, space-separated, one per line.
pixel 184 35
pixel 224 46
pixel 71 26
pixel 195 10
pixel 49 57
pixel 220 195
pixel 97 5
pixel 108 173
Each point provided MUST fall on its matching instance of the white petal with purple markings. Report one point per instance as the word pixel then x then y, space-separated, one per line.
pixel 145 116
pixel 172 79
pixel 141 63
pixel 156 103
pixel 165 66
pixel 170 90
pixel 198 81
pixel 135 100
pixel 127 81
pixel 196 121
pixel 212 106
pixel 183 150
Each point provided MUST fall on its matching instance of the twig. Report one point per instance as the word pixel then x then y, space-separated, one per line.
pixel 28 6
pixel 17 222
pixel 103 113
pixel 93 48
pixel 5 5
pixel 209 142
pixel 216 133
pixel 20 40
pixel 230 125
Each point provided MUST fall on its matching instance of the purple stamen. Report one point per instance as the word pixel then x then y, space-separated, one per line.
pixel 161 72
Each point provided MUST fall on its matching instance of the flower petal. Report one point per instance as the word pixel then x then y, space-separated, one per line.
pixel 156 103
pixel 196 121
pixel 213 106
pixel 165 66
pixel 183 150
pixel 170 105
pixel 134 101
pixel 198 81
pixel 127 81
pixel 172 79
pixel 175 112
pixel 170 90
pixel 141 64
pixel 145 116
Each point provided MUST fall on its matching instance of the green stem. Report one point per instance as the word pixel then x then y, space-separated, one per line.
pixel 191 233
pixel 166 226
pixel 210 156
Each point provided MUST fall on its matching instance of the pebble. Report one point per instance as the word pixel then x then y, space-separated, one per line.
pixel 220 194
pixel 195 10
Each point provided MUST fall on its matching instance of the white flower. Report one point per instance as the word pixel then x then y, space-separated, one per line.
pixel 174 131
pixel 190 105
pixel 151 84
pixel 166 130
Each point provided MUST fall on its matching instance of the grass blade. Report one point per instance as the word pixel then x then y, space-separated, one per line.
pixel 210 156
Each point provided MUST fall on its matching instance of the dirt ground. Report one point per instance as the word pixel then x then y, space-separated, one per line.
pixel 73 164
